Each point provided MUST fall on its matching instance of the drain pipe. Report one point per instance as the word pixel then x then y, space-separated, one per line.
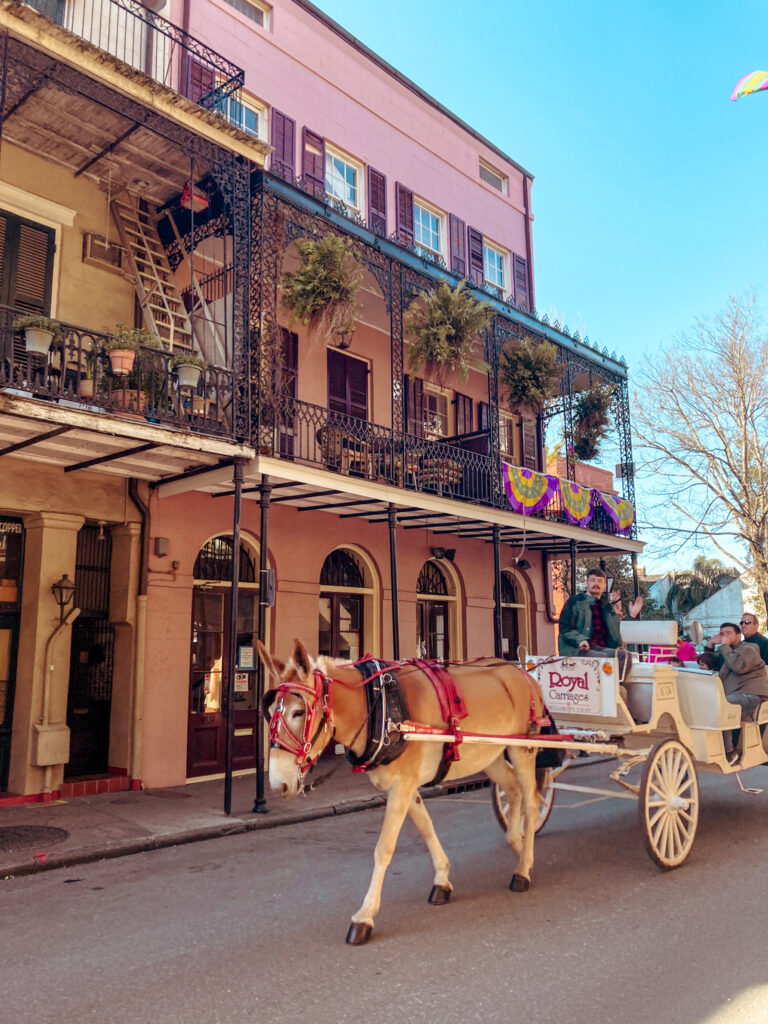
pixel 68 619
pixel 140 638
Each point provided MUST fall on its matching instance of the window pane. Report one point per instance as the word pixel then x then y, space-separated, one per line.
pixel 493 266
pixel 341 179
pixel 426 229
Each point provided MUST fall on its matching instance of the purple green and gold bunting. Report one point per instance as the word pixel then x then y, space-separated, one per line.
pixel 527 491
pixel 577 502
pixel 619 510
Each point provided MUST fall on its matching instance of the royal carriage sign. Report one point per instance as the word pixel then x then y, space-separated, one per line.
pixel 577 686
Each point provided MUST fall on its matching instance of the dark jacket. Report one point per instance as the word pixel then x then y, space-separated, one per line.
pixel 762 643
pixel 743 669
pixel 576 623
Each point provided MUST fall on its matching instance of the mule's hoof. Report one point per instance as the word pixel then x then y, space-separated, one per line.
pixel 359 933
pixel 440 895
pixel 519 883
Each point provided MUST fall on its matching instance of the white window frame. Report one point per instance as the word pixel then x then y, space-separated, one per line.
pixel 508 429
pixel 503 186
pixel 331 153
pixel 490 247
pixel 430 419
pixel 265 9
pixel 248 102
pixel 440 217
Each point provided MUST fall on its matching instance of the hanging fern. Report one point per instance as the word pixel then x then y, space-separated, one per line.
pixel 442 327
pixel 321 293
pixel 531 375
pixel 590 420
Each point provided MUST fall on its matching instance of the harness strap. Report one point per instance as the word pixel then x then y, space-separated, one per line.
pixel 386 711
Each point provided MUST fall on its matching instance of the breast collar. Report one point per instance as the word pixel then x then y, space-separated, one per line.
pixel 386 710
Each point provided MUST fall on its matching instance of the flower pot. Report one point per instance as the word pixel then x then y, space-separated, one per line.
pixel 188 375
pixel 86 387
pixel 200 405
pixel 129 403
pixel 37 340
pixel 122 360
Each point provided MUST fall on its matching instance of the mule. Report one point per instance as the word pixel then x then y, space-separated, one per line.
pixel 317 701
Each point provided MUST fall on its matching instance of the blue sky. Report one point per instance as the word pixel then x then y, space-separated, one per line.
pixel 650 189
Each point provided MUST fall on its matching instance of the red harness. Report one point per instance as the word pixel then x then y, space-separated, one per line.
pixel 452 706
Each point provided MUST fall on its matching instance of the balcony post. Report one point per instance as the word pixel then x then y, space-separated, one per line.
pixel 230 715
pixel 392 518
pixel 398 379
pixel 260 804
pixel 497 591
pixel 574 551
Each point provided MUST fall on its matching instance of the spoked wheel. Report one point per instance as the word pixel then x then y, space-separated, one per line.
pixel 669 804
pixel 545 782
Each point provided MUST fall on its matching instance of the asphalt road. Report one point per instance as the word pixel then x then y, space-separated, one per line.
pixel 251 928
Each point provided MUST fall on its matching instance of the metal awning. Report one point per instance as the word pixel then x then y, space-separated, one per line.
pixel 314 490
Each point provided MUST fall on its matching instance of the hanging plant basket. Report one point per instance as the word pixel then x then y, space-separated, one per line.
pixel 442 327
pixel 591 420
pixel 322 292
pixel 531 375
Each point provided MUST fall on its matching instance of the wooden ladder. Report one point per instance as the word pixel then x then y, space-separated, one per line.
pixel 159 298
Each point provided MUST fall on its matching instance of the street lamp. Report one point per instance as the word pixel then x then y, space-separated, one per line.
pixel 63 590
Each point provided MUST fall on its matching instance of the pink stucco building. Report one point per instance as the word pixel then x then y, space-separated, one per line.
pixel 372 494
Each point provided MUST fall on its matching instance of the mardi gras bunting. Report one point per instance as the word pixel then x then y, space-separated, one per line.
pixel 577 502
pixel 527 491
pixel 619 510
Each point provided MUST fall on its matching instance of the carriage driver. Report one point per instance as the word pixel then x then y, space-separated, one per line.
pixel 589 623
pixel 744 677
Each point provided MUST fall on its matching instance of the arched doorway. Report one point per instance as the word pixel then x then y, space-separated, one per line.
pixel 515 622
pixel 209 660
pixel 341 625
pixel 435 607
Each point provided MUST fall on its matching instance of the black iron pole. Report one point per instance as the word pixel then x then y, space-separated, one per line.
pixel 573 567
pixel 497 591
pixel 230 710
pixel 635 581
pixel 392 518
pixel 260 804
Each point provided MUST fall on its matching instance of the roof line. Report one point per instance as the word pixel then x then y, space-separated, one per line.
pixel 336 28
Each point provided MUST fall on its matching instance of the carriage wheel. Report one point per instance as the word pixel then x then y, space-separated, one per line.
pixel 669 804
pixel 545 783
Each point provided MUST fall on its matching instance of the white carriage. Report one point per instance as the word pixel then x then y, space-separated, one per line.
pixel 665 722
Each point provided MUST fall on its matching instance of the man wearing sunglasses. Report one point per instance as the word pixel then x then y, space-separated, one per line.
pixel 751 634
pixel 744 677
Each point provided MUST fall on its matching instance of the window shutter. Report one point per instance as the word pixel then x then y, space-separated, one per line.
pixel 337 382
pixel 34 269
pixel 414 406
pixel 201 82
pixel 313 164
pixel 530 444
pixel 476 268
pixel 357 382
pixel 521 281
pixel 458 246
pixel 347 385
pixel 463 414
pixel 283 138
pixel 405 226
pixel 377 202
pixel 483 416
pixel 53 9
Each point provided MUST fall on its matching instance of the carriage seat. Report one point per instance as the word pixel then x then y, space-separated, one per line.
pixel 703 703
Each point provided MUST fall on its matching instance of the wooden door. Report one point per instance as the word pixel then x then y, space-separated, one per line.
pixel 433 638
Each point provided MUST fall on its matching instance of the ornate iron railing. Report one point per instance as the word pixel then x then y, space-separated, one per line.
pixel 76 370
pixel 344 444
pixel 149 43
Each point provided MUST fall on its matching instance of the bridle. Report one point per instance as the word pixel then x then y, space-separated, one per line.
pixel 317 719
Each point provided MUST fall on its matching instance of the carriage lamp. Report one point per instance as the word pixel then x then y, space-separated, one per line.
pixel 63 590
pixel 344 339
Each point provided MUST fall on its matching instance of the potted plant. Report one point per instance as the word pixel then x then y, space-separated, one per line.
pixel 321 293
pixel 39 332
pixel 590 420
pixel 86 383
pixel 123 344
pixel 442 327
pixel 188 369
pixel 531 375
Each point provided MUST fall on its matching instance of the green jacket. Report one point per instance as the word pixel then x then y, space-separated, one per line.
pixel 762 643
pixel 576 623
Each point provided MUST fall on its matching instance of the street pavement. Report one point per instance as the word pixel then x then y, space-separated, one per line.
pixel 250 929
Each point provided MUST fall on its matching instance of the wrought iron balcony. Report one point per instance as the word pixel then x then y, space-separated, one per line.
pixel 311 434
pixel 149 43
pixel 76 371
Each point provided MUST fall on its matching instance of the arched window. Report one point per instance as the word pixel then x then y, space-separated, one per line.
pixel 214 562
pixel 433 613
pixel 515 623
pixel 342 604
pixel 432 581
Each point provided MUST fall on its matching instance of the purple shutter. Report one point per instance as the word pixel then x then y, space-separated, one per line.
pixel 414 406
pixel 476 267
pixel 377 202
pixel 463 413
pixel 530 444
pixel 521 281
pixel 357 385
pixel 347 385
pixel 313 163
pixel 483 416
pixel 458 246
pixel 405 226
pixel 283 138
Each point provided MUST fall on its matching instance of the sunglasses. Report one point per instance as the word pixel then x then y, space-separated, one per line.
pixel 747 622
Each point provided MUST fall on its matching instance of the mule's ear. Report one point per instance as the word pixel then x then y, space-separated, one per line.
pixel 301 659
pixel 274 666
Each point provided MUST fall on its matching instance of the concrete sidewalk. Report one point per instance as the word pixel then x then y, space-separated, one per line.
pixel 38 837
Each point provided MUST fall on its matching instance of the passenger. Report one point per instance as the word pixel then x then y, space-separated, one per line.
pixel 685 650
pixel 589 622
pixel 709 661
pixel 675 662
pixel 749 628
pixel 744 677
